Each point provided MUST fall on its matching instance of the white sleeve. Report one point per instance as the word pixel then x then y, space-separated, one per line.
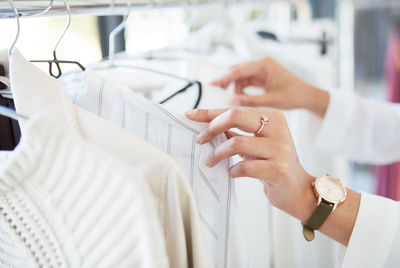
pixel 364 130
pixel 375 241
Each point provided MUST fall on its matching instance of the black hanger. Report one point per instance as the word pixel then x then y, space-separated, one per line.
pixel 267 35
pixel 190 84
pixel 57 62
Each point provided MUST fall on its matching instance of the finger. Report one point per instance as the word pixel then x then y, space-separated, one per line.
pixel 254 147
pixel 251 101
pixel 230 134
pixel 247 158
pixel 204 115
pixel 233 76
pixel 222 82
pixel 248 120
pixel 258 169
pixel 240 85
pixel 225 81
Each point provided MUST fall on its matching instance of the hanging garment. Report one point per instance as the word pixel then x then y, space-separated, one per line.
pixel 175 135
pixel 9 129
pixel 66 203
pixel 10 133
pixel 186 246
pixel 397 179
pixel 387 175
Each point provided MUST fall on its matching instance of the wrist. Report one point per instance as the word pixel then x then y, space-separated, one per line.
pixel 339 224
pixel 316 100
pixel 303 207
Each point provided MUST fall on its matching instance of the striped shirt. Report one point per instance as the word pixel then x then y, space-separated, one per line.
pixel 176 136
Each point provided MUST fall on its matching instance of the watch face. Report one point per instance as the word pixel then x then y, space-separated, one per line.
pixel 330 189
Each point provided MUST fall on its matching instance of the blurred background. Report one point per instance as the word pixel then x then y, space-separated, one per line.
pixel 340 44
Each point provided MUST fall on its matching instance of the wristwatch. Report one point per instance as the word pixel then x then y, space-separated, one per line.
pixel 330 193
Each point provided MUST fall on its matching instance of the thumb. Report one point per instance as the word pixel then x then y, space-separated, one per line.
pixel 253 101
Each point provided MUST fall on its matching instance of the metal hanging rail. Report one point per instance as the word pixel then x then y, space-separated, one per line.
pixel 91 7
pixel 371 4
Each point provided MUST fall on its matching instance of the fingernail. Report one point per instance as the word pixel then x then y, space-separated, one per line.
pixel 190 112
pixel 199 140
pixel 232 172
pixel 210 165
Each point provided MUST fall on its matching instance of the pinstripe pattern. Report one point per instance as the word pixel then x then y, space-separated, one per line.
pixel 169 139
pixel 103 81
pixel 209 184
pixel 192 160
pixel 208 226
pixel 207 181
pixel 176 137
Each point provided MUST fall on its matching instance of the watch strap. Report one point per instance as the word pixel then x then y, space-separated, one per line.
pixel 319 216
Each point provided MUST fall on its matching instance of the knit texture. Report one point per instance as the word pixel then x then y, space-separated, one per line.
pixel 65 203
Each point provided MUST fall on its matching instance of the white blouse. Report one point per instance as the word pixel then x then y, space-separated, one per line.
pixel 366 131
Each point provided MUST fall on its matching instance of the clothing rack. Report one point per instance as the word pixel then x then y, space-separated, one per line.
pixel 370 4
pixel 96 7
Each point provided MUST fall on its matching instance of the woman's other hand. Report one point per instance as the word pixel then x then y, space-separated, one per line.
pixel 283 90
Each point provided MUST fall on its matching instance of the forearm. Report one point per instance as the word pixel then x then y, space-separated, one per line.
pixel 340 223
pixel 315 100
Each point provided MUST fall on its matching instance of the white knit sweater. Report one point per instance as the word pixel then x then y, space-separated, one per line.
pixel 65 203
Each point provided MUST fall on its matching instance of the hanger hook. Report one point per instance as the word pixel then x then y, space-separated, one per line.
pixel 67 26
pixel 117 30
pixel 56 62
pixel 49 6
pixel 58 43
pixel 11 50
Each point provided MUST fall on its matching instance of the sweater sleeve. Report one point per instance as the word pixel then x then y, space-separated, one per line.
pixel 375 241
pixel 364 130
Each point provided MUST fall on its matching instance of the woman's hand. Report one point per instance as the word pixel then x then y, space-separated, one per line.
pixel 283 89
pixel 269 156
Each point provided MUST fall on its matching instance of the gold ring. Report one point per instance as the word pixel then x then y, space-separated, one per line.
pixel 264 120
